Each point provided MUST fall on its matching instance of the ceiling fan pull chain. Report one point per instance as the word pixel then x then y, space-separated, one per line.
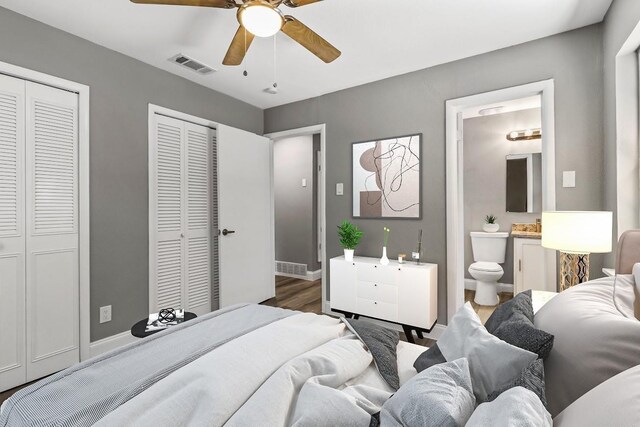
pixel 275 65
pixel 245 73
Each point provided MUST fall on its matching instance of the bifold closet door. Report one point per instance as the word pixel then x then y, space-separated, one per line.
pixel 180 215
pixel 52 270
pixel 12 233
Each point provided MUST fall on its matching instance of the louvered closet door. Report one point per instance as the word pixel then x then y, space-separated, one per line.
pixel 52 230
pixel 12 233
pixel 167 198
pixel 199 142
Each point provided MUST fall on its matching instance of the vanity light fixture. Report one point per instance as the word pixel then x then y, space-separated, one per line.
pixel 525 135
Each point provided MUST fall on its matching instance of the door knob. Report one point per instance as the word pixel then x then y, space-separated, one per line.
pixel 225 232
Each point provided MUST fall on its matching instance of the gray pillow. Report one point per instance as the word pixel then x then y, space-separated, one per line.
pixel 531 378
pixel 518 330
pixel 515 407
pixel 382 344
pixel 521 303
pixel 615 402
pixel 593 340
pixel 433 356
pixel 439 396
pixel 493 363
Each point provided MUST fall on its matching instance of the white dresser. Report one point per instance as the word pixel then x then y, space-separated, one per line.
pixel 406 293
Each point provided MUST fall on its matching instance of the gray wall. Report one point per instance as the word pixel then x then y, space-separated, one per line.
pixel 121 89
pixel 415 102
pixel 485 169
pixel 294 159
pixel 621 19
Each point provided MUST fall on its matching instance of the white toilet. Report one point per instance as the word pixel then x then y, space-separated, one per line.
pixel 489 251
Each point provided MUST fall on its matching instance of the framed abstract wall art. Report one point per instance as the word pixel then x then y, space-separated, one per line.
pixel 386 178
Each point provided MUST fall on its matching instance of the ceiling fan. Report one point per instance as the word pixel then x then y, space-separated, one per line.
pixel 262 18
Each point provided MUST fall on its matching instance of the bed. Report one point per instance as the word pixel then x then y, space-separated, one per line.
pixel 268 366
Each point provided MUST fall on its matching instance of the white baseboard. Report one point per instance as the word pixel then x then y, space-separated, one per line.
pixel 470 285
pixel 435 333
pixel 311 276
pixel 110 343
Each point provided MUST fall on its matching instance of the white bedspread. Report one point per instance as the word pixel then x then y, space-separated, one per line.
pixel 300 370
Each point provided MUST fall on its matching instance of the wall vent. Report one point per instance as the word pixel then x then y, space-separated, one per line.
pixel 192 64
pixel 291 268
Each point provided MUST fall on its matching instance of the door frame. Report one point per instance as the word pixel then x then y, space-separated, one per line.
pixel 84 217
pixel 455 189
pixel 322 212
pixel 163 111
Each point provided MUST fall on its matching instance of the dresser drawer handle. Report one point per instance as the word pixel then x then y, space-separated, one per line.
pixel 375 284
pixel 375 302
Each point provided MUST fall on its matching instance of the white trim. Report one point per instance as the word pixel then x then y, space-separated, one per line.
pixel 470 285
pixel 627 124
pixel 111 343
pixel 454 158
pixel 83 92
pixel 435 333
pixel 311 276
pixel 322 205
pixel 163 111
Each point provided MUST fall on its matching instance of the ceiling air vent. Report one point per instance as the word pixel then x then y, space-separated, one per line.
pixel 191 64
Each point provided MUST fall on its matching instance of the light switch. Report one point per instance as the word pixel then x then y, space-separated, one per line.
pixel 569 179
pixel 304 182
pixel 339 189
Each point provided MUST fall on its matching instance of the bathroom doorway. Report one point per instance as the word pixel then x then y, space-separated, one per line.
pixel 500 163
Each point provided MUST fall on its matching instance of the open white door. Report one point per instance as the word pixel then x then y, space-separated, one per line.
pixel 245 216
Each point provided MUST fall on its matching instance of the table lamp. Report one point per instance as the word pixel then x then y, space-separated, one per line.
pixel 576 235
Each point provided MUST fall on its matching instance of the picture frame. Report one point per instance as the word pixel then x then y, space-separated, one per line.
pixel 386 178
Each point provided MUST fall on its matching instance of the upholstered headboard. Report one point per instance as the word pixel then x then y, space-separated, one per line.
pixel 628 251
pixel 628 255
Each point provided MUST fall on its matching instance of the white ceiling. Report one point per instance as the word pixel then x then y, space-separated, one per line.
pixel 378 38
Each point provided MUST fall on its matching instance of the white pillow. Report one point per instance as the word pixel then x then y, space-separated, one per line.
pixel 492 362
pixel 515 407
pixel 636 275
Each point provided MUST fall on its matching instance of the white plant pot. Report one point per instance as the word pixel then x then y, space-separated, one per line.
pixel 384 260
pixel 348 255
pixel 491 228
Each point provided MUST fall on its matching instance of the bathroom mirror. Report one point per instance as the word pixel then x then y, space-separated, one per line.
pixel 524 183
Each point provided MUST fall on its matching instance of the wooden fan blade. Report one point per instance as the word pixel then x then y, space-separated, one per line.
pixel 224 4
pixel 310 40
pixel 239 47
pixel 298 3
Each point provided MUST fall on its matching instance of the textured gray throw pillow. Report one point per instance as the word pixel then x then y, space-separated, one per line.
pixel 493 363
pixel 531 378
pixel 382 344
pixel 521 303
pixel 439 396
pixel 519 331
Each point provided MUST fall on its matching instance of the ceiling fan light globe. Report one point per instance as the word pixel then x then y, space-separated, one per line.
pixel 261 20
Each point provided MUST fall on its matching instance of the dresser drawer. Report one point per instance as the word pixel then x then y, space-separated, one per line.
pixel 377 309
pixel 378 292
pixel 376 273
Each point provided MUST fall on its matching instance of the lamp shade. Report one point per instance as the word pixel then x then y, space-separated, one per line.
pixel 577 232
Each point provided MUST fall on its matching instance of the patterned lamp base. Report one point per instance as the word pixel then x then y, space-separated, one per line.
pixel 574 269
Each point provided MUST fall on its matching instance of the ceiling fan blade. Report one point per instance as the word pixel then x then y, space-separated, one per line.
pixel 298 3
pixel 239 47
pixel 224 4
pixel 310 40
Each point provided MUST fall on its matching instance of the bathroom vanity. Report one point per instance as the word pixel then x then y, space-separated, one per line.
pixel 530 261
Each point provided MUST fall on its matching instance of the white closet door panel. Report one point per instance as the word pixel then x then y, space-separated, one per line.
pixel 52 296
pixel 11 157
pixel 12 356
pixel 167 226
pixel 199 141
pixel 12 237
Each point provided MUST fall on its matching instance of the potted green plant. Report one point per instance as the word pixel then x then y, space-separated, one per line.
pixel 490 224
pixel 350 236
